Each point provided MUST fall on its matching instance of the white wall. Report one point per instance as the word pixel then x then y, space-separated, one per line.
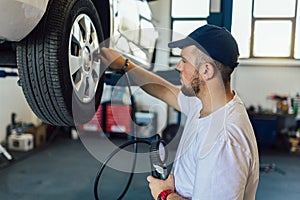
pixel 255 83
pixel 12 100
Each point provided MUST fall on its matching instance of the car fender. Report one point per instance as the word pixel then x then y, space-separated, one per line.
pixel 15 27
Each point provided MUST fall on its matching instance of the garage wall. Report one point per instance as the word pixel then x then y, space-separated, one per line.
pixel 12 100
pixel 255 83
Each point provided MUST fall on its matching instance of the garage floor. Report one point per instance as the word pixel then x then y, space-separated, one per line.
pixel 66 170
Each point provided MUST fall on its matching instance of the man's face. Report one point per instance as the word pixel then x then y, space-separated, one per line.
pixel 189 75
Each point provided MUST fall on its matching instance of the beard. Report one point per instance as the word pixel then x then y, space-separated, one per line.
pixel 188 91
pixel 193 89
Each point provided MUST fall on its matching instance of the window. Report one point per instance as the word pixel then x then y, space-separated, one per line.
pixel 184 21
pixel 267 28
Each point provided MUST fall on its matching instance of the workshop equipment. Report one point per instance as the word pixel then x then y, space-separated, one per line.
pixel 4 74
pixel 158 158
pixel 5 153
pixel 20 142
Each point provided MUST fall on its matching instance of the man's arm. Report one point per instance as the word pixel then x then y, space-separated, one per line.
pixel 149 82
pixel 154 85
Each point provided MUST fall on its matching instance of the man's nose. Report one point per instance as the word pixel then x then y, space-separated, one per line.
pixel 179 67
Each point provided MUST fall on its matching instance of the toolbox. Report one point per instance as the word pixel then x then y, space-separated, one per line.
pixel 20 142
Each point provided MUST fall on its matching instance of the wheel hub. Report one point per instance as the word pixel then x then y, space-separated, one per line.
pixel 86 59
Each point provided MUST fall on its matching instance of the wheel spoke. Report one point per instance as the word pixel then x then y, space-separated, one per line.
pixel 91 90
pixel 77 34
pixel 96 70
pixel 82 87
pixel 87 27
pixel 94 46
pixel 74 63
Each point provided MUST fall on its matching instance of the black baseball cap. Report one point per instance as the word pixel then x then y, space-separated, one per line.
pixel 216 42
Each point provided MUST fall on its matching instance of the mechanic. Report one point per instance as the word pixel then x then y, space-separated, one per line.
pixel 217 156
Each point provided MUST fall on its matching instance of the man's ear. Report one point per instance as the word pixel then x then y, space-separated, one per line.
pixel 207 71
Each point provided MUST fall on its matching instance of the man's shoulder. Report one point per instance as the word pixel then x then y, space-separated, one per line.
pixel 189 105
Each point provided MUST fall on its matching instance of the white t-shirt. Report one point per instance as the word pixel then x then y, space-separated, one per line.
pixel 217 156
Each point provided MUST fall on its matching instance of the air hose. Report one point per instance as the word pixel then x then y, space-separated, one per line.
pixel 158 161
pixel 109 158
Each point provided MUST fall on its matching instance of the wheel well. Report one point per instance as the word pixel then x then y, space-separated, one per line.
pixel 8 55
pixel 103 8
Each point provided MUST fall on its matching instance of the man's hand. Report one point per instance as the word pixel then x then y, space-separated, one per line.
pixel 156 185
pixel 111 58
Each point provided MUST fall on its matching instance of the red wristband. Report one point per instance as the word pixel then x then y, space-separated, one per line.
pixel 163 195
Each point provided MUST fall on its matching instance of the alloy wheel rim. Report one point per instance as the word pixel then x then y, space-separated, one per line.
pixel 84 65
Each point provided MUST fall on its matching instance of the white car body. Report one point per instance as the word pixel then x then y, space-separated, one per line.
pixel 135 26
pixel 30 12
pixel 15 27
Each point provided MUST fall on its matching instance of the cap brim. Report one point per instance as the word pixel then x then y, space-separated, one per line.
pixel 181 43
pixel 187 42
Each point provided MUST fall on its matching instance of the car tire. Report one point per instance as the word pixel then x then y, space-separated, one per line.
pixel 48 83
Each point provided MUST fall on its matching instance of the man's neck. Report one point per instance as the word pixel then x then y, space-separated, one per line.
pixel 214 100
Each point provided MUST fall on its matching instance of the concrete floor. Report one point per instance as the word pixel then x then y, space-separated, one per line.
pixel 66 170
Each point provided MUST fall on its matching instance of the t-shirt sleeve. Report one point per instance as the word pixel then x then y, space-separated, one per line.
pixel 189 104
pixel 222 174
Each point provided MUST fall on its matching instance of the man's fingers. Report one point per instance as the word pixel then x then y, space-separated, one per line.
pixel 103 53
pixel 170 176
pixel 106 56
pixel 111 58
pixel 149 178
pixel 103 59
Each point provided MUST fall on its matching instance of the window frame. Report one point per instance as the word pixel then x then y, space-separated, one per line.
pixel 293 33
pixel 173 19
